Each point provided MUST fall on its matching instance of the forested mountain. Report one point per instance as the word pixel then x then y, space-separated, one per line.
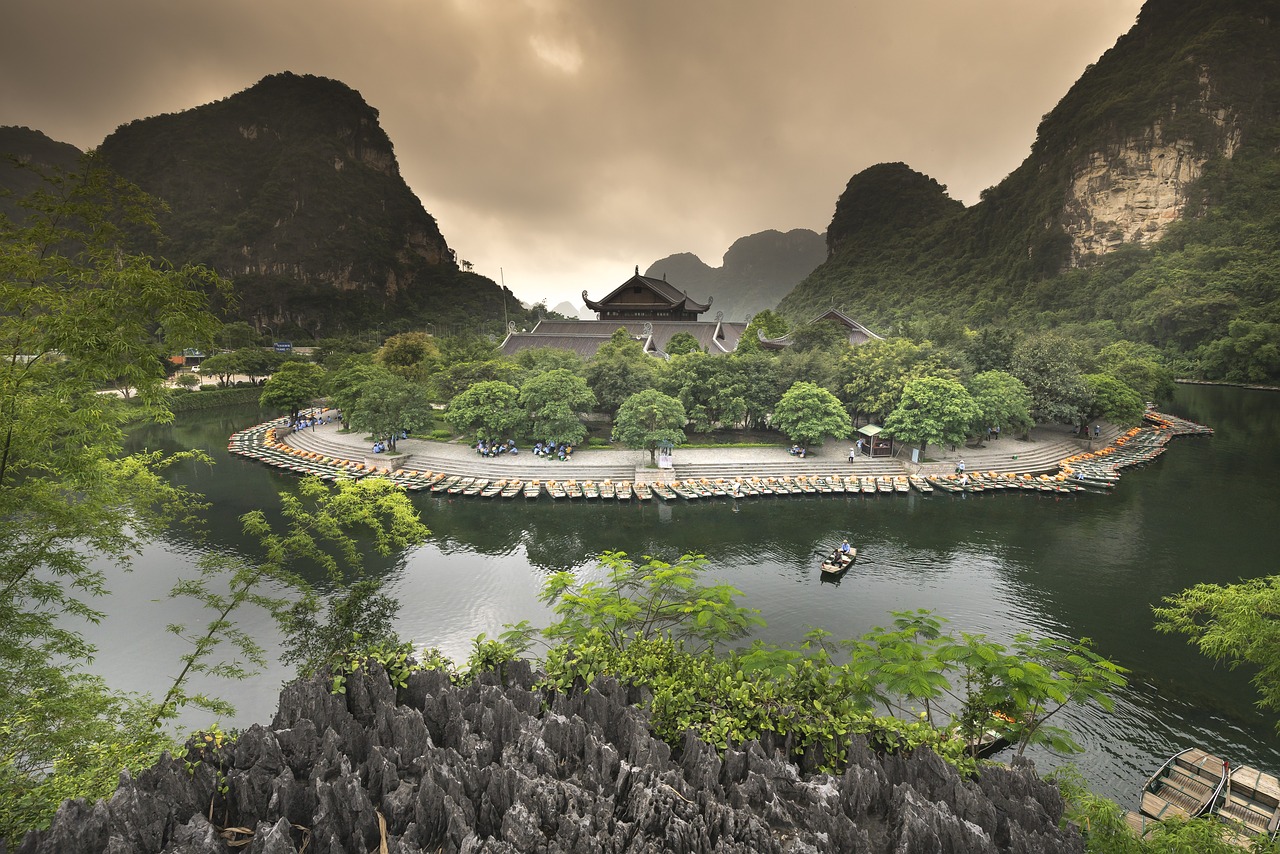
pixel 291 189
pixel 22 147
pixel 756 272
pixel 1149 207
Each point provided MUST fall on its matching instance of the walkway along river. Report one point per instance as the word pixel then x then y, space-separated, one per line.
pixel 1081 565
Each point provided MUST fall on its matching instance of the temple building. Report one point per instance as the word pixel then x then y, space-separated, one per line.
pixel 653 311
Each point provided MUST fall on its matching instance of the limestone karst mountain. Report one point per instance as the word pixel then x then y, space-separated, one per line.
pixel 1147 206
pixel 756 272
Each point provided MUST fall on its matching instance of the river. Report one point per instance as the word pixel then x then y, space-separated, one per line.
pixel 1086 566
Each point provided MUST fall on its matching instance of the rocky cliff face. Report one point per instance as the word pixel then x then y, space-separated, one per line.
pixel 1131 190
pixel 503 768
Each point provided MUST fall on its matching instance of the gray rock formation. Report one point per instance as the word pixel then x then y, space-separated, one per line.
pixel 501 768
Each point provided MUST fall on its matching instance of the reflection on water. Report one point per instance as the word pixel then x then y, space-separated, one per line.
pixel 1083 566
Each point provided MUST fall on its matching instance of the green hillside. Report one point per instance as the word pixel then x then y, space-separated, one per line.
pixel 1194 80
pixel 291 189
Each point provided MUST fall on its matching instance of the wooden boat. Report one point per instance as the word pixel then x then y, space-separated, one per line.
pixel 624 490
pixel 461 484
pixel 1187 785
pixel 884 484
pixel 446 483
pixel 665 492
pixel 493 489
pixel 477 486
pixel 920 484
pixel 1249 805
pixel 556 490
pixel 684 490
pixel 608 491
pixel 836 563
pixel 644 492
pixel 805 484
pixel 868 485
pixel 533 489
pixel 573 489
pixel 513 488
pixel 901 484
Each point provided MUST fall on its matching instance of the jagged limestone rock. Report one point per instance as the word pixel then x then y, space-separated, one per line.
pixel 498 767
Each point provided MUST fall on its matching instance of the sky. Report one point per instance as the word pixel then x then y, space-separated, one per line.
pixel 561 143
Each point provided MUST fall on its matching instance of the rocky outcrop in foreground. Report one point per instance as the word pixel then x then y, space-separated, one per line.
pixel 488 768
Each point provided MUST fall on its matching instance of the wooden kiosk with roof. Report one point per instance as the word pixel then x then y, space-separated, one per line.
pixel 874 445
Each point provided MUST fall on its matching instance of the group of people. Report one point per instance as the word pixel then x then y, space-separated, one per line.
pixel 486 449
pixel 1097 431
pixel 381 447
pixel 557 451
pixel 315 417
pixel 796 451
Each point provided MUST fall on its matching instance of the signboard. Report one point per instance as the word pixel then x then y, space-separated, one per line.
pixel 283 346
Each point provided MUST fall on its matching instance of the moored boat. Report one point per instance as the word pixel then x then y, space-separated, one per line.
pixel 513 488
pixel 1186 786
pixel 644 492
pixel 920 484
pixel 533 489
pixel 624 490
pixel 1249 805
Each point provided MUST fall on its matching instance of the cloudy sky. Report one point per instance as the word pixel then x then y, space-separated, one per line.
pixel 559 143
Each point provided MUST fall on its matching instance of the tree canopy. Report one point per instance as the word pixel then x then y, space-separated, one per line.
pixel 489 410
pixel 933 410
pixel 647 419
pixel 293 386
pixel 807 413
pixel 552 401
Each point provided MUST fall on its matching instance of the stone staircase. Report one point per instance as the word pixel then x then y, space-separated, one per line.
pixel 820 467
pixel 1014 455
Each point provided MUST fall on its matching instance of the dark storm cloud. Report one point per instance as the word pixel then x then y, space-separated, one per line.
pixel 565 142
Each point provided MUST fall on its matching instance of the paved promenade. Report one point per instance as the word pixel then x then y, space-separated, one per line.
pixel 1040 452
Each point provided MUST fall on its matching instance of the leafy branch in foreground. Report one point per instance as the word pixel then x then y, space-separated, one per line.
pixel 1239 623
pixel 322 524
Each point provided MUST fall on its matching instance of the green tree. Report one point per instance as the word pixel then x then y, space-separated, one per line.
pixel 220 366
pixel 1139 366
pixel 706 386
pixel 1235 623
pixel 237 335
pixel 766 323
pixel 619 369
pixel 490 410
pixel 1111 399
pixel 647 601
pixel 456 377
pixel 1049 366
pixel 807 412
pixel 537 360
pixel 388 405
pixel 347 385
pixel 756 379
pixel 413 355
pixel 1249 353
pixel 682 343
pixel 552 402
pixel 1002 401
pixel 873 376
pixel 80 312
pixel 647 419
pixel 932 410
pixel 293 386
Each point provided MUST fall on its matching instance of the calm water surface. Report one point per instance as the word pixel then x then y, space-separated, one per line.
pixel 1083 566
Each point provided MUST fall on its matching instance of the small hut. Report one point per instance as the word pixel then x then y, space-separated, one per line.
pixel 874 444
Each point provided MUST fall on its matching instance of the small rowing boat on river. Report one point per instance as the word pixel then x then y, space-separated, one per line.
pixel 838 562
pixel 1186 786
